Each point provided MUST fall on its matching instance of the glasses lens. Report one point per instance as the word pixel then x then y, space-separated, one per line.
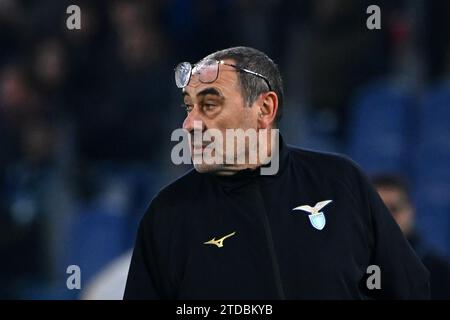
pixel 183 74
pixel 207 70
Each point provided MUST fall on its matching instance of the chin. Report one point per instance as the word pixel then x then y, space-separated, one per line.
pixel 204 168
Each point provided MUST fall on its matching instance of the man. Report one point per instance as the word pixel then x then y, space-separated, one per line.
pixel 395 195
pixel 227 231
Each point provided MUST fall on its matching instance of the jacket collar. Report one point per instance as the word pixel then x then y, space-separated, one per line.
pixel 246 176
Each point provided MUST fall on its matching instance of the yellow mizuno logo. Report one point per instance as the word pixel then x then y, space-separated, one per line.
pixel 219 242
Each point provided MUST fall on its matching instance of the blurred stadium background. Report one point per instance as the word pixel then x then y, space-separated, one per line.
pixel 86 115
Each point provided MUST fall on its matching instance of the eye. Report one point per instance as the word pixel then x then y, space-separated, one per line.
pixel 209 106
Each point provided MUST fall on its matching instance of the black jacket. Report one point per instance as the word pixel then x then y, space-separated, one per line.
pixel 437 265
pixel 273 251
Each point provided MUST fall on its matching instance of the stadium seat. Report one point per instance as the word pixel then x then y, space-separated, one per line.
pixel 105 226
pixel 432 167
pixel 380 128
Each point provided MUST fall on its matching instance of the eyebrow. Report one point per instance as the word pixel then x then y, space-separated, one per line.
pixel 205 92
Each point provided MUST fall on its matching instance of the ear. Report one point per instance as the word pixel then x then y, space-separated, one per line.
pixel 267 110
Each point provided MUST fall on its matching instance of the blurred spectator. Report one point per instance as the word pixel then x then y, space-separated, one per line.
pixel 86 115
pixel 23 235
pixel 329 56
pixel 435 38
pixel 254 24
pixel 394 192
pixel 14 35
pixel 121 124
pixel 50 65
pixel 18 99
pixel 405 66
pixel 196 27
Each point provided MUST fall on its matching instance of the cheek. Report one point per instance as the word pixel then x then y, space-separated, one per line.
pixel 250 116
pixel 236 114
pixel 252 119
pixel 246 115
pixel 240 117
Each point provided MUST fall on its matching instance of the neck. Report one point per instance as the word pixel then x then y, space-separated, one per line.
pixel 267 142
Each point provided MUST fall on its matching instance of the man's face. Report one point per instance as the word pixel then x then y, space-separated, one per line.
pixel 399 206
pixel 218 105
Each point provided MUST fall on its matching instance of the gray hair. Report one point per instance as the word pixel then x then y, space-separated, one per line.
pixel 252 86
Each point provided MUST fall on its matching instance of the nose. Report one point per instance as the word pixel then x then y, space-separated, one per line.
pixel 193 121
